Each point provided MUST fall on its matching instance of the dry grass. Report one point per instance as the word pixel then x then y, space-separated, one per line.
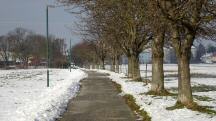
pixel 193 106
pixel 161 93
pixel 129 99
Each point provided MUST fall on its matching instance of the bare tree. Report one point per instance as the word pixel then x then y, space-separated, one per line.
pixel 57 52
pixel 38 51
pixel 5 50
pixel 188 19
pixel 124 20
pixel 22 44
pixel 158 27
pixel 84 54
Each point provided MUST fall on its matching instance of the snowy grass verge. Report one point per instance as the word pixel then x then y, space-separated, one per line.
pixel 130 100
pixel 25 97
pixel 156 105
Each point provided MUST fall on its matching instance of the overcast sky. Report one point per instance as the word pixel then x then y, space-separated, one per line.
pixel 31 14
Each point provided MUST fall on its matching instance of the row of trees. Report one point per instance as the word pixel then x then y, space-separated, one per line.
pixel 22 44
pixel 84 54
pixel 117 27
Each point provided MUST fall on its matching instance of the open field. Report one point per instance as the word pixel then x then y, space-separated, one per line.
pixel 25 97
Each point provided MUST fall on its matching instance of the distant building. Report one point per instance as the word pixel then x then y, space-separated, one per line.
pixel 33 61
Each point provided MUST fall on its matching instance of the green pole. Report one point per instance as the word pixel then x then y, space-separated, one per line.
pixel 70 55
pixel 47 34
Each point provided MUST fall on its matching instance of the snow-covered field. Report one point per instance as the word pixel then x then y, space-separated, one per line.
pixel 25 97
pixel 203 81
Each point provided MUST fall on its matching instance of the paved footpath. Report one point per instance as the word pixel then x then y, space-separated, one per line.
pixel 98 100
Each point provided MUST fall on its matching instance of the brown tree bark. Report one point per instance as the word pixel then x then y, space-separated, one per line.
pixel 183 53
pixel 135 68
pixel 113 64
pixel 103 63
pixel 117 64
pixel 184 84
pixel 130 65
pixel 157 83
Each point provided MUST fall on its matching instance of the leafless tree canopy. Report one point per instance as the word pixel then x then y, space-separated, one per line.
pixel 130 26
pixel 21 45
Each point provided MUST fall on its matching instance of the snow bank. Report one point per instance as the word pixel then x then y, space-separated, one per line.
pixel 25 97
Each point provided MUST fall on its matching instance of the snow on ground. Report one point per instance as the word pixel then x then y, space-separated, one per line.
pixel 25 97
pixel 172 68
pixel 156 105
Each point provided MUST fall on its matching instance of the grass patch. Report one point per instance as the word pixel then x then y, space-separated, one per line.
pixel 193 106
pixel 137 80
pixel 176 106
pixel 199 88
pixel 200 98
pixel 118 87
pixel 125 77
pixel 146 81
pixel 203 98
pixel 161 93
pixel 205 109
pixel 194 75
pixel 129 99
pixel 131 102
pixel 107 74
pixel 170 79
pixel 203 88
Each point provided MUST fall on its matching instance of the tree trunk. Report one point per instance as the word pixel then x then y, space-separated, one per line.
pixel 135 68
pixel 94 66
pixel 103 64
pixel 130 65
pixel 117 64
pixel 97 66
pixel 6 62
pixel 184 89
pixel 157 83
pixel 183 53
pixel 113 64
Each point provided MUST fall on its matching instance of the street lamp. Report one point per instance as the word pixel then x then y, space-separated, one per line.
pixel 48 43
pixel 47 37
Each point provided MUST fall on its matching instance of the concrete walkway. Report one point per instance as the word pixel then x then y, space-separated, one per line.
pixel 98 100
